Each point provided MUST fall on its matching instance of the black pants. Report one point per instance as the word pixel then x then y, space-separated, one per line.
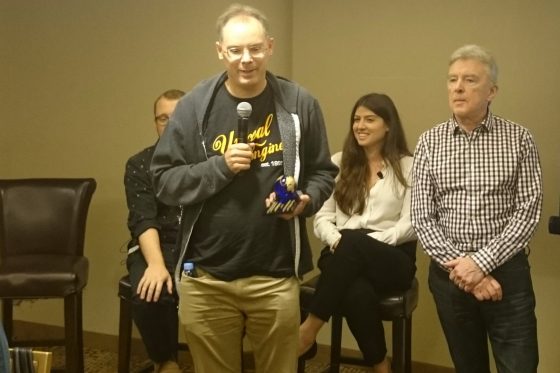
pixel 352 280
pixel 510 325
pixel 157 322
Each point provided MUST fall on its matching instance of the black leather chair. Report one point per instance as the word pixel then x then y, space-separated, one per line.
pixel 395 307
pixel 42 230
pixel 125 328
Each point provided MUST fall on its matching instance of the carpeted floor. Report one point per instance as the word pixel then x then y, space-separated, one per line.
pixel 102 361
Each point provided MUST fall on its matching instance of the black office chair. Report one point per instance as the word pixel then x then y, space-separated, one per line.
pixel 42 230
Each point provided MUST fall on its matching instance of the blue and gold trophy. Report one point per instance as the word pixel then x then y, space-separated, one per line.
pixel 286 196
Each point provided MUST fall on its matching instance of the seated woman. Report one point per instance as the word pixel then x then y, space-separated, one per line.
pixel 371 247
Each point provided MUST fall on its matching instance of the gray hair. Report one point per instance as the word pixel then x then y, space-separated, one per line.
pixel 235 10
pixel 472 51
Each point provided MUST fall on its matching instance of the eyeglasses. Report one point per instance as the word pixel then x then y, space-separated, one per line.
pixel 162 119
pixel 237 52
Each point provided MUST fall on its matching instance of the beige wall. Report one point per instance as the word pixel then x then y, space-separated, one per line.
pixel 78 78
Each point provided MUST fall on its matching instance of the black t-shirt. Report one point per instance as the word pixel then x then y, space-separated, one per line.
pixel 233 237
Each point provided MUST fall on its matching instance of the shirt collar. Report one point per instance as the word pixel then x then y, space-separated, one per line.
pixel 487 123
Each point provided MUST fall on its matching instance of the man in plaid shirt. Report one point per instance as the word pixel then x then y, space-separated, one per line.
pixel 476 201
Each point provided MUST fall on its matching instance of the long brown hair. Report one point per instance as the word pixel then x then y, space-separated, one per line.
pixel 351 188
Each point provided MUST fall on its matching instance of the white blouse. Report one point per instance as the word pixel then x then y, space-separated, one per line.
pixel 387 211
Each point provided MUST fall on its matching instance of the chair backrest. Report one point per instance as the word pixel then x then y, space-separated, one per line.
pixel 44 216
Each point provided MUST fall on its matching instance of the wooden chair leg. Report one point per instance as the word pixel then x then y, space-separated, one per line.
pixel 408 346
pixel 125 335
pixel 74 333
pixel 402 333
pixel 301 366
pixel 8 319
pixel 336 343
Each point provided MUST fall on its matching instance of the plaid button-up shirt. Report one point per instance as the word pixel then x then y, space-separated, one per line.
pixel 477 194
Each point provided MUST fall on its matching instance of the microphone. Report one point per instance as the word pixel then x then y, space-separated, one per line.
pixel 379 175
pixel 244 110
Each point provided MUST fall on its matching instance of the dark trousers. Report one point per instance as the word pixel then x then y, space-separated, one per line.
pixel 352 280
pixel 509 324
pixel 157 322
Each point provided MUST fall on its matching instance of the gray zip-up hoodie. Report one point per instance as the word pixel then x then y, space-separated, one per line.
pixel 184 175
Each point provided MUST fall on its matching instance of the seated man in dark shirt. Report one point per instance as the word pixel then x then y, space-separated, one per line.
pixel 152 251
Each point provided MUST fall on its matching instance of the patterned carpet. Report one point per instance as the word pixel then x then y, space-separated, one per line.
pixel 102 361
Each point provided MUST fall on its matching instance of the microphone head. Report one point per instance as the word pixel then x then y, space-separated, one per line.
pixel 244 109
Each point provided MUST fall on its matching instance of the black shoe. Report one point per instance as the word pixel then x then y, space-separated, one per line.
pixel 310 354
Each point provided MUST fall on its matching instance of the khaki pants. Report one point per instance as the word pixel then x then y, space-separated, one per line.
pixel 216 314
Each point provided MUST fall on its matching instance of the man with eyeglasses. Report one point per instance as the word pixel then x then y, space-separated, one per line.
pixel 247 262
pixel 152 251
